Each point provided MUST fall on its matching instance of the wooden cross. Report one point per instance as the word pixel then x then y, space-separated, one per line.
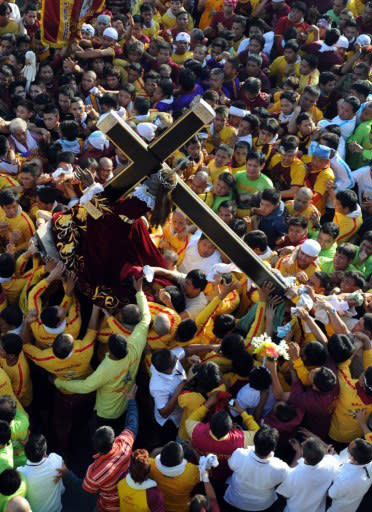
pixel 149 158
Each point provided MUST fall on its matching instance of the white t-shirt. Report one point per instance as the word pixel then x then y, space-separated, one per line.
pixel 193 260
pixel 306 486
pixel 163 386
pixel 350 485
pixel 249 398
pixel 362 177
pixel 194 305
pixel 43 494
pixel 253 482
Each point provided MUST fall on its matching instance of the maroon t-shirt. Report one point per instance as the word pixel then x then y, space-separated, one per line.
pixel 219 17
pixel 261 100
pixel 326 60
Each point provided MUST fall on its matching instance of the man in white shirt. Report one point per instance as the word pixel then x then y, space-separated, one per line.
pixel 43 492
pixel 354 478
pixel 257 393
pixel 306 485
pixel 363 177
pixel 256 473
pixel 192 284
pixel 201 254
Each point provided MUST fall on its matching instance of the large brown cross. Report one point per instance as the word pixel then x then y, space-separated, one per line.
pixel 149 158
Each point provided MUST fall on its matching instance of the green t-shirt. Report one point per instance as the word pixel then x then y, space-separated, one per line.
pixel 366 267
pixel 6 457
pixel 113 379
pixel 21 491
pixel 327 254
pixel 19 428
pixel 333 16
pixel 220 199
pixel 327 266
pixel 245 186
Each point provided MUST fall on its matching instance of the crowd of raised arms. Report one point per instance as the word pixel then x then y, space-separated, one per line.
pixel 205 392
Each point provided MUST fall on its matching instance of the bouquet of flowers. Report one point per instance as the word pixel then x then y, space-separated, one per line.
pixel 265 347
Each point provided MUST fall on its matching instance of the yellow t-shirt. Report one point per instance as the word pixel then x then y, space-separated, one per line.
pixel 288 268
pixel 225 137
pixel 320 186
pixel 7 181
pixel 76 366
pixel 169 20
pixel 21 224
pixel 277 69
pixel 153 30
pixel 215 172
pixel 348 226
pixel 344 426
pixel 296 171
pixel 176 490
pixel 19 375
pixel 11 27
pixel 305 80
pixel 180 59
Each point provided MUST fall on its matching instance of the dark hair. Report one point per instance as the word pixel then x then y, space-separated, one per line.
pixel 5 432
pixel 300 6
pixel 367 320
pixel 354 102
pixel 177 298
pixel 141 105
pixel 171 454
pixel 327 76
pixel 285 412
pixel 312 90
pixel 198 279
pixel 257 59
pixel 271 195
pixel 271 125
pixel 332 139
pixel 118 346
pixel 361 451
pixel 298 221
pixel 208 377
pixel 140 465
pixel 200 503
pixel 186 330
pixel 341 347
pixel 330 228
pixel 357 277
pixel 162 359
pixel 315 353
pixel 312 60
pixel 290 142
pixel 187 79
pixel 109 100
pixel 332 36
pixel 8 408
pixel 7 196
pixel 12 315
pixel 242 364
pixel 131 314
pixel 238 226
pixel 347 249
pixel 256 239
pixel 62 346
pixel 227 178
pixel 36 447
pixel 223 324
pixel 231 345
pixel 12 344
pixel 221 424
pixel 324 379
pixel 252 120
pixel 313 451
pixel 265 441
pixel 348 199
pixel 10 479
pixel 292 44
pixel 260 379
pixel 49 316
pixel 363 87
pixel 256 155
pixel 252 85
pixel 7 265
pixel 103 439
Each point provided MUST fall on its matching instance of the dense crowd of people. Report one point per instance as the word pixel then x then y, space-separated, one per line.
pixel 142 370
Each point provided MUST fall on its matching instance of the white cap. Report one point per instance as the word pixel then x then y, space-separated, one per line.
pixel 146 130
pixel 363 40
pixel 342 42
pixel 238 112
pixel 111 32
pixel 311 248
pixel 88 28
pixel 183 36
pixel 98 140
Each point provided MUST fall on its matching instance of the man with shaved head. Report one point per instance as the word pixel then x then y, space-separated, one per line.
pixel 301 206
pixel 18 504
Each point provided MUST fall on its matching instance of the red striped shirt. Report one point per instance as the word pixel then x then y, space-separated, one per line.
pixel 105 472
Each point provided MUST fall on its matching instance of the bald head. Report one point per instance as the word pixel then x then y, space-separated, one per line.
pixel 18 504
pixel 161 324
pixel 305 192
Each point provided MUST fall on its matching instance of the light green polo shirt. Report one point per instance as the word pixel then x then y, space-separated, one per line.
pixel 113 379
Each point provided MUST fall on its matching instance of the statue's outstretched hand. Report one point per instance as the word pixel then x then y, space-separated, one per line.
pixel 85 176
